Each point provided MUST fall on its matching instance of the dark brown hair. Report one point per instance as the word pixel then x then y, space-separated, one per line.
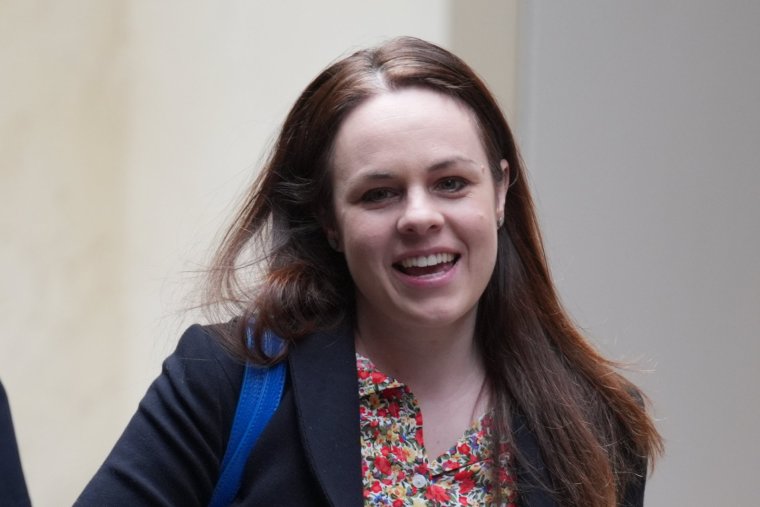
pixel 588 420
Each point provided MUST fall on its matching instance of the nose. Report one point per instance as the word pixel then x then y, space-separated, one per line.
pixel 420 214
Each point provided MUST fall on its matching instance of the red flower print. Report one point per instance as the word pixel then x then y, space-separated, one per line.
pixel 394 393
pixel 466 486
pixel 392 439
pixel 450 465
pixel 383 465
pixel 437 494
pixel 463 475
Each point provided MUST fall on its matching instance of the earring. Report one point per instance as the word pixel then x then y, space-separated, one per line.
pixel 499 222
pixel 332 242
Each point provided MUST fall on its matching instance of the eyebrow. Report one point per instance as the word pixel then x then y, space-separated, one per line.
pixel 437 166
pixel 443 164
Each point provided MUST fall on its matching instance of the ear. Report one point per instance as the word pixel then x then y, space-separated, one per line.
pixel 501 189
pixel 333 240
pixel 327 221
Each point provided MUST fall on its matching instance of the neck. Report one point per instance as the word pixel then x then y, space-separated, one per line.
pixel 432 361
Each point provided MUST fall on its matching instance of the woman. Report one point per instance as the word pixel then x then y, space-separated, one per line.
pixel 429 359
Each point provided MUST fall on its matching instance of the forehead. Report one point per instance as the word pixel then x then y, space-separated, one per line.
pixel 407 127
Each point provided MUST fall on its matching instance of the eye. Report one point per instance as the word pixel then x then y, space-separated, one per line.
pixel 451 184
pixel 376 195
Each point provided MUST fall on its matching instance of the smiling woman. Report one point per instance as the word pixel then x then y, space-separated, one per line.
pixel 429 360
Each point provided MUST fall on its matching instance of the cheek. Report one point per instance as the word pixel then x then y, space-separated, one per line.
pixel 362 245
pixel 482 235
pixel 364 252
pixel 478 222
pixel 363 239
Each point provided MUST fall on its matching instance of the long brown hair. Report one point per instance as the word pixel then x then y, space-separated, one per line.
pixel 588 420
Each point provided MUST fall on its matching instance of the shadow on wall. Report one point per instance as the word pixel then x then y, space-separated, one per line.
pixel 476 38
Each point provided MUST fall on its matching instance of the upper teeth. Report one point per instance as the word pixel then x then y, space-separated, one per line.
pixel 427 260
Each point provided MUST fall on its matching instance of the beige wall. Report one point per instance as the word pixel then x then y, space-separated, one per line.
pixel 62 298
pixel 127 130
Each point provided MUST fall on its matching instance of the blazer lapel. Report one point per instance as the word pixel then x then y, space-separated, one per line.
pixel 323 373
pixel 532 476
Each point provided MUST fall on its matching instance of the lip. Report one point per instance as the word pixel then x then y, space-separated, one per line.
pixel 438 279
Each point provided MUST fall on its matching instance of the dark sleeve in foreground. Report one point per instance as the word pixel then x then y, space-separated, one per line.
pixel 169 454
pixel 13 490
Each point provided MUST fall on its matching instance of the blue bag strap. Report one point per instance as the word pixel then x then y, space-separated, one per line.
pixel 259 397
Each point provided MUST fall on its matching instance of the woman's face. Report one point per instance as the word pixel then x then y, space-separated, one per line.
pixel 416 208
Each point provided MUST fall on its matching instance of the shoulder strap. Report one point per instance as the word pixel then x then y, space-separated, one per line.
pixel 259 398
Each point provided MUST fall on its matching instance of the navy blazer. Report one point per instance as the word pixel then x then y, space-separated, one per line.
pixel 308 455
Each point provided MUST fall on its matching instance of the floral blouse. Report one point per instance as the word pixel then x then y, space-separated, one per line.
pixel 396 470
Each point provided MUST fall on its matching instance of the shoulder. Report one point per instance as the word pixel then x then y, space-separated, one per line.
pixel 202 369
pixel 203 341
pixel 206 337
pixel 169 454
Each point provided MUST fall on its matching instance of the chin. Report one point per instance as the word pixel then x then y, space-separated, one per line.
pixel 436 318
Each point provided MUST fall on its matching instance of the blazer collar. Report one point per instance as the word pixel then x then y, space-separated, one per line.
pixel 324 378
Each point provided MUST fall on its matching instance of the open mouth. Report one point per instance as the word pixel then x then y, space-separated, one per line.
pixel 425 265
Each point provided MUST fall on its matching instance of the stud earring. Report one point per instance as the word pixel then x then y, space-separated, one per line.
pixel 499 222
pixel 332 242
